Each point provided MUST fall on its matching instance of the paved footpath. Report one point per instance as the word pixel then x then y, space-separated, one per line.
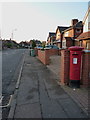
pixel 39 95
pixel 79 95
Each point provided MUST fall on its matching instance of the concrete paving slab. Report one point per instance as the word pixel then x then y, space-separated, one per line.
pixel 29 97
pixel 28 111
pixel 80 96
pixel 55 91
pixel 54 65
pixel 28 92
pixel 50 108
pixel 71 108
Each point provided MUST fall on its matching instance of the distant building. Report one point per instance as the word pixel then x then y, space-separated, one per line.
pixel 35 43
pixel 51 38
pixel 70 34
pixel 59 35
pixel 65 36
pixel 24 44
pixel 9 44
pixel 38 42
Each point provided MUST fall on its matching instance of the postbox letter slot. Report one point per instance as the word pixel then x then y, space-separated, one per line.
pixel 74 54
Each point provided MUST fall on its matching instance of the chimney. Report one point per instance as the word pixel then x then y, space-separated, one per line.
pixel 74 21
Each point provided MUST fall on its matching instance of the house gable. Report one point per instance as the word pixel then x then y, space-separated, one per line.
pixel 51 37
pixel 58 34
pixel 59 31
pixel 86 20
pixel 74 31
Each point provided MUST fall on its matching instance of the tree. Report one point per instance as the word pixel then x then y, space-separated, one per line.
pixel 33 44
pixel 9 45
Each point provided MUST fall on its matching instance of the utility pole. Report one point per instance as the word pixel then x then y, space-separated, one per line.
pixel 12 36
pixel 13 33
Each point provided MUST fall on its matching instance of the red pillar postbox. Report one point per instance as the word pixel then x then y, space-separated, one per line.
pixel 75 66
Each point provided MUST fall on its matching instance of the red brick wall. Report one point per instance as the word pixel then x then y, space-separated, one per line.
pixel 52 52
pixel 43 55
pixel 64 68
pixel 59 52
pixel 69 43
pixel 36 51
pixel 86 69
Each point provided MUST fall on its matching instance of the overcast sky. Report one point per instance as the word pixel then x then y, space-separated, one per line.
pixel 36 20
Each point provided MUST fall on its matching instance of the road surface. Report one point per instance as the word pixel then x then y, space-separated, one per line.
pixel 11 63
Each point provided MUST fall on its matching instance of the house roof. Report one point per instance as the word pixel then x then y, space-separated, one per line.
pixel 62 28
pixel 52 34
pixel 37 42
pixel 77 25
pixel 69 38
pixel 84 35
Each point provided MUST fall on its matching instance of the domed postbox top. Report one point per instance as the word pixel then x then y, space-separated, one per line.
pixel 75 48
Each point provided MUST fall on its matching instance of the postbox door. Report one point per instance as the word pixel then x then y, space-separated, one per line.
pixel 75 63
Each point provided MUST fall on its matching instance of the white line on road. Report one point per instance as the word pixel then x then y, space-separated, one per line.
pixel 8 102
pixel 1 99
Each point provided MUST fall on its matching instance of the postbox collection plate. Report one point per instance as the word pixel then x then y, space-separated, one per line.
pixel 74 60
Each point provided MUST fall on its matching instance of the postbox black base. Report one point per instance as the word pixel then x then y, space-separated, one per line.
pixel 74 83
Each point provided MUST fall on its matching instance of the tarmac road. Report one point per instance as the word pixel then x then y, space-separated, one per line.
pixel 11 63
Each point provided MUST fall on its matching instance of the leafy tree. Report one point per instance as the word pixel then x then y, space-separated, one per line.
pixel 9 45
pixel 43 46
pixel 33 44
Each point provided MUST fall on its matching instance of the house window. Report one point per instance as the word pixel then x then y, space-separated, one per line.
pixel 78 30
pixel 64 44
pixel 88 45
pixel 80 43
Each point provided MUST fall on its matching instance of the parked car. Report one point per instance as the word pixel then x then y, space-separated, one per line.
pixel 39 47
pixel 51 47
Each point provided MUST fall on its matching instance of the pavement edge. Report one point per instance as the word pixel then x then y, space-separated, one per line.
pixel 13 103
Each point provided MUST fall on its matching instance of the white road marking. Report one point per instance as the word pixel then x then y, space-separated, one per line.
pixel 8 102
pixel 1 99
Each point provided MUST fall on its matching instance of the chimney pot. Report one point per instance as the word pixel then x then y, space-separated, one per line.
pixel 74 21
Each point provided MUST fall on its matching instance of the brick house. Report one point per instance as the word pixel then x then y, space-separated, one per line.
pixel 51 38
pixel 70 34
pixel 38 42
pixel 59 35
pixel 84 38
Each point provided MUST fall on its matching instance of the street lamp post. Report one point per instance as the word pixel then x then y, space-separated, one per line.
pixel 12 37
pixel 12 33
